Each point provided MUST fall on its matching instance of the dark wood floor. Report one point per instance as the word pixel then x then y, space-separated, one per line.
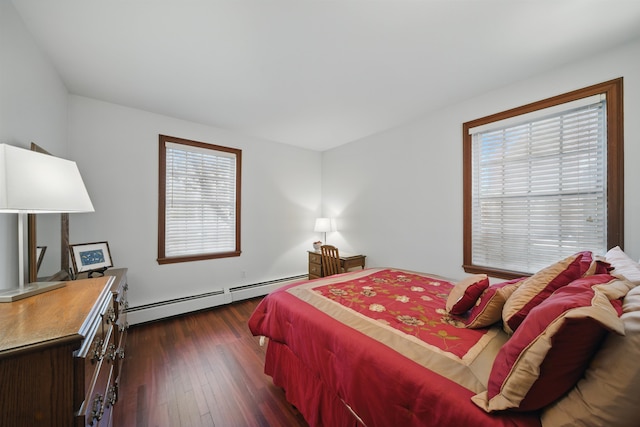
pixel 201 369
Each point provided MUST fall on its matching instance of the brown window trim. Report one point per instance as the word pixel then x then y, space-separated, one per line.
pixel 615 166
pixel 162 259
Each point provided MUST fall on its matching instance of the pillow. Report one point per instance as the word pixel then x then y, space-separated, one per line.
pixel 551 349
pixel 538 287
pixel 599 265
pixel 623 265
pixel 488 308
pixel 465 293
pixel 608 393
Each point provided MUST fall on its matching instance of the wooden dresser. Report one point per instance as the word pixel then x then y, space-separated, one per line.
pixel 61 354
pixel 347 262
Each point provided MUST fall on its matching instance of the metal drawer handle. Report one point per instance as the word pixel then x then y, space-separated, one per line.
pixel 98 409
pixel 111 353
pixel 112 396
pixel 111 315
pixel 97 351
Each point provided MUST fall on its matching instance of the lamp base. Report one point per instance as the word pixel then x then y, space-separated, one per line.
pixel 29 290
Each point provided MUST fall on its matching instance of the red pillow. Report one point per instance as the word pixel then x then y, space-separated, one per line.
pixel 551 349
pixel 538 287
pixel 465 293
pixel 488 308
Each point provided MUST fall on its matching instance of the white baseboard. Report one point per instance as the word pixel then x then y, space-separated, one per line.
pixel 163 309
pixel 258 289
pixel 175 307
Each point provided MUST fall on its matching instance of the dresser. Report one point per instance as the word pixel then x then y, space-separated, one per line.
pixel 61 354
pixel 347 262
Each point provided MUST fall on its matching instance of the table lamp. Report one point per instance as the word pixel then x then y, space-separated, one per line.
pixel 32 182
pixel 323 225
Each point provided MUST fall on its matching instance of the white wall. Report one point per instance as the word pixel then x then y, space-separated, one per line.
pixel 33 108
pixel 398 194
pixel 116 149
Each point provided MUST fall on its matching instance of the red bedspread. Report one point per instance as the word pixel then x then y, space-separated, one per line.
pixel 409 302
pixel 329 365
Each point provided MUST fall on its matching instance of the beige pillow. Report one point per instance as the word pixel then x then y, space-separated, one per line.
pixel 609 393
pixel 550 351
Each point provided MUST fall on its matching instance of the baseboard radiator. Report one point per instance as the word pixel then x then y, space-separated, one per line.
pixel 163 309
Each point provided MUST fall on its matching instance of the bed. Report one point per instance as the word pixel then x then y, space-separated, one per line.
pixel 381 347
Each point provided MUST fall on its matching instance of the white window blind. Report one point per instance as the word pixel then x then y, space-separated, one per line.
pixel 539 188
pixel 200 201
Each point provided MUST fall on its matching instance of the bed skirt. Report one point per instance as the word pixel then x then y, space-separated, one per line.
pixel 317 403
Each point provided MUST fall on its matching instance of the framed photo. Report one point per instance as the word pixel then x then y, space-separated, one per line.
pixel 90 257
pixel 40 250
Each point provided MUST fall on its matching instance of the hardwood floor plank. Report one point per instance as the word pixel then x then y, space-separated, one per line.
pixel 200 369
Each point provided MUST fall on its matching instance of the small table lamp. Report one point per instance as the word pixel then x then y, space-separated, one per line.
pixel 32 182
pixel 323 225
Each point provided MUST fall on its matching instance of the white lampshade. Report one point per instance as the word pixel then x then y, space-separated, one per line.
pixel 325 224
pixel 32 182
pixel 322 225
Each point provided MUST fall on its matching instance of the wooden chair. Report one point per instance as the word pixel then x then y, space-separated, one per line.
pixel 330 260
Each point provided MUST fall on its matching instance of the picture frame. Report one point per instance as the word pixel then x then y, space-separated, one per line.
pixel 90 257
pixel 40 250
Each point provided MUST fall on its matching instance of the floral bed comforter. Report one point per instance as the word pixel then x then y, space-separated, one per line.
pixel 381 341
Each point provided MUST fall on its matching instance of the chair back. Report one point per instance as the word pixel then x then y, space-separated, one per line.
pixel 330 260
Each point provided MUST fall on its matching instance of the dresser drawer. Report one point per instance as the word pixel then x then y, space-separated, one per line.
pixel 97 359
pixel 120 333
pixel 315 258
pixel 96 410
pixel 121 326
pixel 315 265
pixel 315 270
pixel 122 304
pixel 93 369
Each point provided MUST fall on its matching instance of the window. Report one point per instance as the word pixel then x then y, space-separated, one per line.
pixel 199 201
pixel 544 181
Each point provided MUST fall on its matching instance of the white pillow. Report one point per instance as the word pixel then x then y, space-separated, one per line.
pixel 623 265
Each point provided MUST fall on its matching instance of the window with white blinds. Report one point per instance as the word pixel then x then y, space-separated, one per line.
pixel 537 187
pixel 199 201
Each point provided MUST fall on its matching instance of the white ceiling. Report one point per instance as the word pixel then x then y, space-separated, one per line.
pixel 314 73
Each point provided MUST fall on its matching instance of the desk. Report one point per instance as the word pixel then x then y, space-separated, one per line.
pixel 347 262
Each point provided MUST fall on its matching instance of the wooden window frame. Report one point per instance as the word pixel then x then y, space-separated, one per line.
pixel 615 166
pixel 162 258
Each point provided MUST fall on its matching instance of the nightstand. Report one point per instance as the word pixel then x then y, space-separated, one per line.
pixel 347 262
